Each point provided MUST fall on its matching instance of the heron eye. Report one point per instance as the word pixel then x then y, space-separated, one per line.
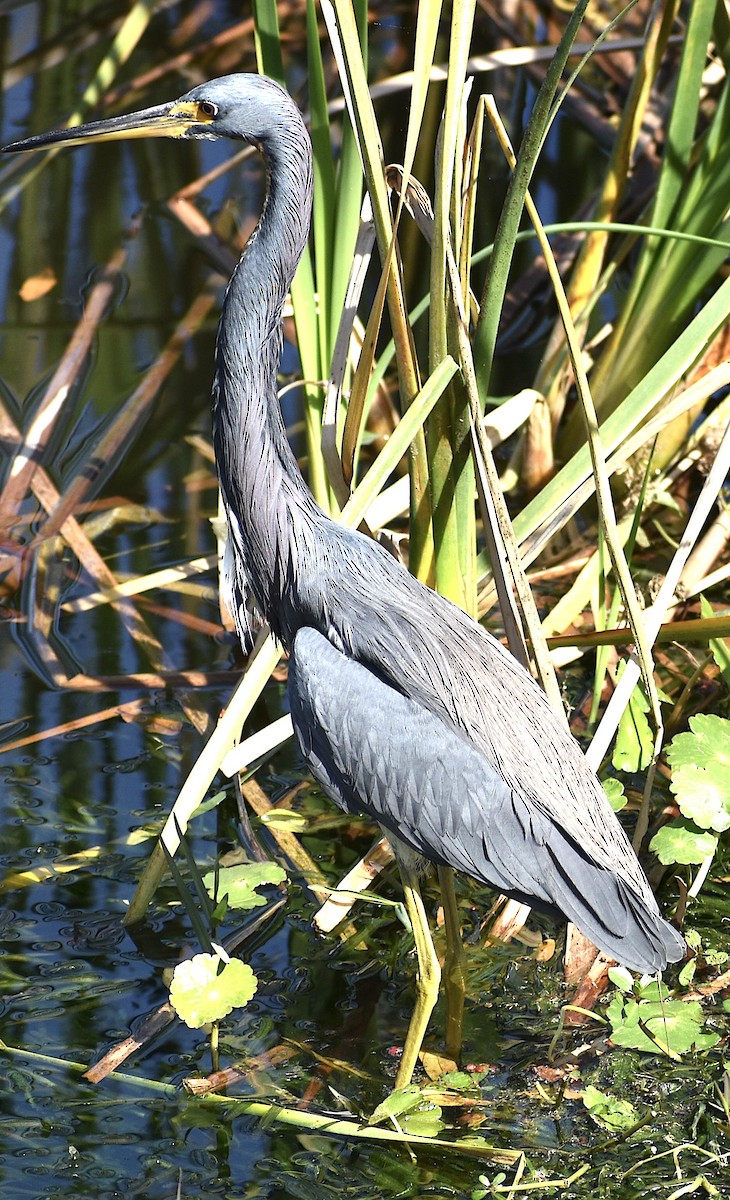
pixel 208 109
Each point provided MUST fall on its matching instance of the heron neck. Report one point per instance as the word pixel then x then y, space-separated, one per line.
pixel 262 486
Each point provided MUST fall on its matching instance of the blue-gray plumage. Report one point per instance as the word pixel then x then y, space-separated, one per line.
pixel 404 707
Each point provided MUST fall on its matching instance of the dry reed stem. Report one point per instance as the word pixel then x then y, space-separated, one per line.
pixel 90 559
pixel 291 848
pixel 153 680
pixel 127 712
pixel 153 1025
pixel 28 455
pixel 214 247
pixel 133 412
pixel 182 62
pixel 61 510
pixel 360 877
pixel 653 616
pixel 163 578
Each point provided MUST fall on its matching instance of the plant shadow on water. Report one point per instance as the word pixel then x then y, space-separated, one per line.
pixel 80 809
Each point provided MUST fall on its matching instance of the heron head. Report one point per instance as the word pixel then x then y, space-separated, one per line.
pixel 241 106
pixel 235 106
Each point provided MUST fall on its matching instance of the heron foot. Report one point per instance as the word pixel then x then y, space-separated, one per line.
pixel 428 978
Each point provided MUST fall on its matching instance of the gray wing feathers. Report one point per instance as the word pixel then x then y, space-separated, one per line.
pixel 435 653
pixel 378 751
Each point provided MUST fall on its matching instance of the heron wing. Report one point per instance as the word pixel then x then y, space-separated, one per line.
pixel 432 651
pixel 378 751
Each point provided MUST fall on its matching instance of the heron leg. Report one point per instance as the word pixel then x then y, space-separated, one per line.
pixel 428 977
pixel 454 964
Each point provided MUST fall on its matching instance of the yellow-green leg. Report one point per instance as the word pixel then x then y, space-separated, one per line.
pixel 454 964
pixel 428 976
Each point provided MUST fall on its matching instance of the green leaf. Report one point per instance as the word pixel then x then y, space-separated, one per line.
pixel 536 522
pixel 199 994
pixel 424 1123
pixel 397 1104
pixel 719 646
pixel 676 1025
pixel 615 793
pixel 621 978
pixel 682 842
pixel 613 1114
pixel 459 1081
pixel 239 883
pixel 634 747
pixel 653 989
pixel 687 974
pixel 286 819
pixel 700 763
pixel 712 958
pixel 408 1108
pixel 398 442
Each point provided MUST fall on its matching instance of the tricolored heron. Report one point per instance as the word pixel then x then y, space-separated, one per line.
pixel 404 707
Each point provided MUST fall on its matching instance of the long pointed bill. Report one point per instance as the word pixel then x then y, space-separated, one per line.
pixel 174 119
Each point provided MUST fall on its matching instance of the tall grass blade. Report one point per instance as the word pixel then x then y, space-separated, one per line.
pixel 344 37
pixel 485 337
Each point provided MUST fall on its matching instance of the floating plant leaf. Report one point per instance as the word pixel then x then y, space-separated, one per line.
pixel 410 1111
pixel 397 1104
pixel 425 1122
pixel 200 994
pixel 239 883
pixel 615 793
pixel 672 1026
pixel 285 818
pixel 682 842
pixel 613 1114
pixel 460 1081
pixel 700 763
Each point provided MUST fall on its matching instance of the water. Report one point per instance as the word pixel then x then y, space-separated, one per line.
pixel 73 982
